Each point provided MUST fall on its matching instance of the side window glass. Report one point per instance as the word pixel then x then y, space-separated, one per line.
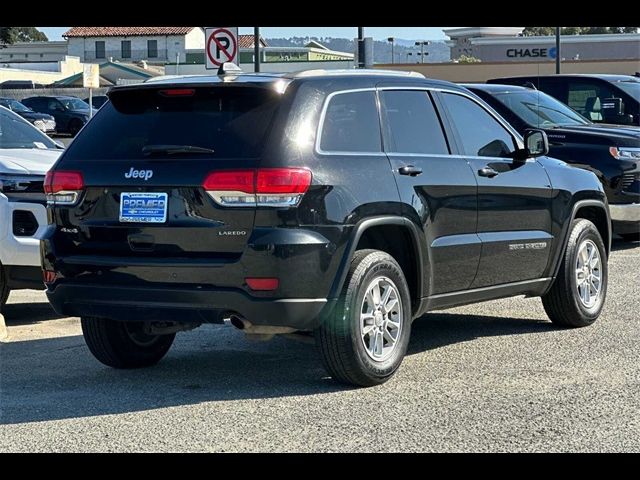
pixel 589 98
pixel 584 98
pixel 411 123
pixel 351 124
pixel 480 133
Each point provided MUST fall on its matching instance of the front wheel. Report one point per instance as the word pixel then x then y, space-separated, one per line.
pixel 124 344
pixel 364 340
pixel 577 296
pixel 74 127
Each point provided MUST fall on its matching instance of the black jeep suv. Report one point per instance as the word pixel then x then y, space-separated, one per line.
pixel 343 203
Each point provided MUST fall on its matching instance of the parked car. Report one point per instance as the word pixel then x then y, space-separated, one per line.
pixel 70 113
pixel 343 204
pixel 42 121
pixel 97 100
pixel 612 152
pixel 25 156
pixel 20 84
pixel 600 98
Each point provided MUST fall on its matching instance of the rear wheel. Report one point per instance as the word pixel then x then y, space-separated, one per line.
pixel 364 340
pixel 4 288
pixel 124 344
pixel 578 293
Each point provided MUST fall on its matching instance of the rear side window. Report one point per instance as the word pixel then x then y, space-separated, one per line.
pixel 411 123
pixel 351 124
pixel 231 121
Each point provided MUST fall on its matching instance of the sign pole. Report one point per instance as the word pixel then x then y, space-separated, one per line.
pixel 90 102
pixel 557 50
pixel 256 49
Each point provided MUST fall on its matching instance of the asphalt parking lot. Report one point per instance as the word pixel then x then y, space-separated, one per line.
pixel 488 377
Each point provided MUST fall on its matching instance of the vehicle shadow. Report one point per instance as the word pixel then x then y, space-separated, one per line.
pixel 440 329
pixel 28 313
pixel 623 245
pixel 57 378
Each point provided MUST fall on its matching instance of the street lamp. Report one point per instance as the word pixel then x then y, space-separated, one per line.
pixel 392 40
pixel 422 43
pixel 408 55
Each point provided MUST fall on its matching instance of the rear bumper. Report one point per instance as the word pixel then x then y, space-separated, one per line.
pixel 171 303
pixel 628 212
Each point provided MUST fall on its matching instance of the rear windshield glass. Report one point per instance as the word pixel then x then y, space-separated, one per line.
pixel 231 121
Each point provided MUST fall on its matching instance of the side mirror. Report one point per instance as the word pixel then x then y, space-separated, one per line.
pixel 536 143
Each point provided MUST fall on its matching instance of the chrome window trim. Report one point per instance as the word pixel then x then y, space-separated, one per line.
pixel 499 119
pixel 323 114
pixel 327 100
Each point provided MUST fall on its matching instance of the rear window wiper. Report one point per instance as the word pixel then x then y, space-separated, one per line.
pixel 173 149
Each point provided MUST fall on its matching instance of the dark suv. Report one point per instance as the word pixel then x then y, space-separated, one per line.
pixel 612 152
pixel 342 204
pixel 70 113
pixel 599 97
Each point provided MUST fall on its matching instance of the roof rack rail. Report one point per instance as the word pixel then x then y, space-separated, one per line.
pixel 360 71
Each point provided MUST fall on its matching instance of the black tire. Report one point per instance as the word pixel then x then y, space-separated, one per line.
pixel 124 344
pixel 4 288
pixel 74 127
pixel 631 237
pixel 562 302
pixel 339 339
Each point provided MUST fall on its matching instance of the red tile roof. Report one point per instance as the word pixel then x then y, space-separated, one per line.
pixel 247 41
pixel 125 31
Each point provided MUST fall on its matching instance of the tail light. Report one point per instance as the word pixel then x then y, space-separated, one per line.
pixel 49 276
pixel 63 187
pixel 262 187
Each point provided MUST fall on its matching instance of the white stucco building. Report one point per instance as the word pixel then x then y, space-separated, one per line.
pixel 130 44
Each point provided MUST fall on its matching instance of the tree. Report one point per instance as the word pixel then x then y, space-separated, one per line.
pixel 468 59
pixel 537 31
pixel 21 34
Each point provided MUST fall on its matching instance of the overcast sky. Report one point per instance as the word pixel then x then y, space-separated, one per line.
pixel 378 33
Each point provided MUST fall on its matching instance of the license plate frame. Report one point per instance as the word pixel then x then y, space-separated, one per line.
pixel 146 212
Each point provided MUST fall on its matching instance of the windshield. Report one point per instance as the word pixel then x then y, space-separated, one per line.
pixel 15 132
pixel 74 104
pixel 630 87
pixel 229 122
pixel 14 105
pixel 538 109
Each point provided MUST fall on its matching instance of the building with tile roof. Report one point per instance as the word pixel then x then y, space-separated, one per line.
pixel 130 44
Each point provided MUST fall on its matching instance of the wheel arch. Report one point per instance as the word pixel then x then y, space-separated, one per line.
pixel 375 233
pixel 598 213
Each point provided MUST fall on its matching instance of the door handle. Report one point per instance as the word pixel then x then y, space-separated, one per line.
pixel 410 170
pixel 487 172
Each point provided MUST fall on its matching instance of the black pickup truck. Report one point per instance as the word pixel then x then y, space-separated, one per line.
pixel 337 204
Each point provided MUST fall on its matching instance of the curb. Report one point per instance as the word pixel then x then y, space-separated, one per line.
pixel 3 328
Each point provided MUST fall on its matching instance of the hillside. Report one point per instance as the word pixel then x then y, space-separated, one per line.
pixel 438 50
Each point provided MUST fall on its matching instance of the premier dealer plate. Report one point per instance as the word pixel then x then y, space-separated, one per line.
pixel 143 207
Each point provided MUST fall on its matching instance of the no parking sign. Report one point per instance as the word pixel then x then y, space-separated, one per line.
pixel 221 46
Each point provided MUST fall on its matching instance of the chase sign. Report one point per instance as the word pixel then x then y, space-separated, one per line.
pixel 531 52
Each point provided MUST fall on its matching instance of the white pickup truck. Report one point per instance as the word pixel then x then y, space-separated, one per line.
pixel 26 154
